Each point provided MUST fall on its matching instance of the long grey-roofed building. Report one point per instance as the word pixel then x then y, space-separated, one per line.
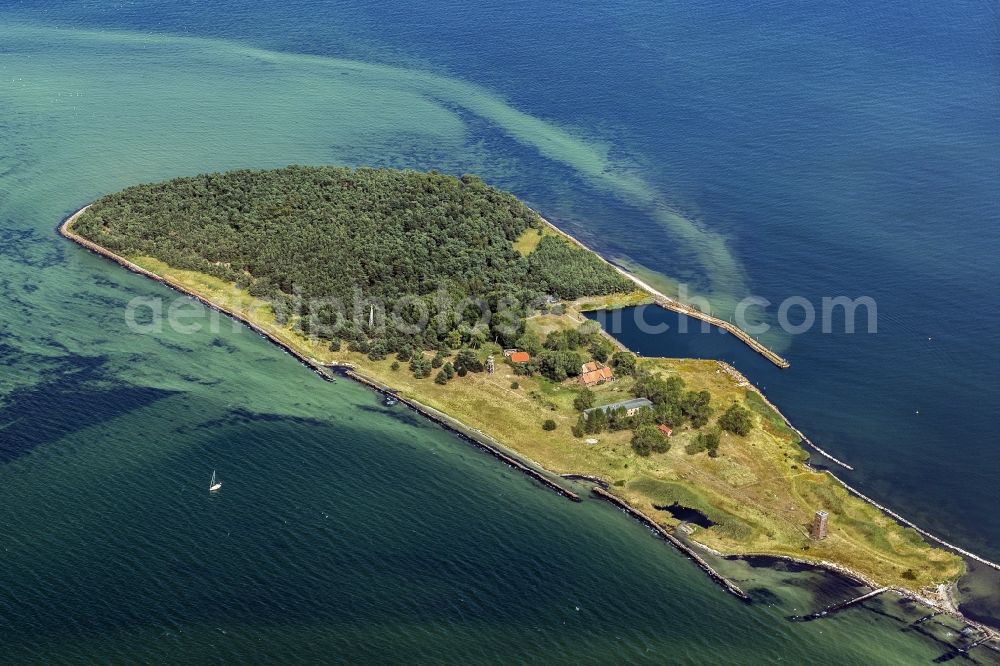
pixel 630 406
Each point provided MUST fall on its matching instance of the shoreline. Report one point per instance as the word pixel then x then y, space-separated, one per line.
pixel 521 463
pixel 668 536
pixel 475 437
pixel 742 380
pixel 65 231
pixel 479 439
pixel 736 374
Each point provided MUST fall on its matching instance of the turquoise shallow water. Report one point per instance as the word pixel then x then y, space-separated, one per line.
pixel 346 531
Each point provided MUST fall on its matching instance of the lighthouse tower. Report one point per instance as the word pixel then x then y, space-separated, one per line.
pixel 819 526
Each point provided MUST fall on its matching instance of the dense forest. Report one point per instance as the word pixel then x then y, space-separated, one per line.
pixel 324 244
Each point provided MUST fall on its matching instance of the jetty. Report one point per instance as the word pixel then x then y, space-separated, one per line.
pixel 977 643
pixel 659 530
pixel 668 303
pixel 830 610
pixel 673 304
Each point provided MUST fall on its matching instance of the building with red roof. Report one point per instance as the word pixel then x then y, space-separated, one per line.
pixel 596 376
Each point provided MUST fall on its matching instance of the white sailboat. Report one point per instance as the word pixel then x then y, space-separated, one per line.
pixel 214 485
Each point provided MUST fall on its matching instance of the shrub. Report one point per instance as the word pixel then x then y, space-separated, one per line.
pixel 696 406
pixel 530 343
pixel 515 385
pixel 377 351
pixel 624 362
pixel 394 366
pixel 557 365
pixel 468 360
pixel 549 425
pixel 704 441
pixel 584 400
pixel 737 421
pixel 668 414
pixel 420 366
pixel 599 351
pixel 648 439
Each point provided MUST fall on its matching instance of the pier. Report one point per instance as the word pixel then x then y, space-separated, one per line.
pixel 668 303
pixel 830 610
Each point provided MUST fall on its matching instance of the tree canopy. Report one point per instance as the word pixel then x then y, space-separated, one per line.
pixel 647 439
pixel 395 240
pixel 737 420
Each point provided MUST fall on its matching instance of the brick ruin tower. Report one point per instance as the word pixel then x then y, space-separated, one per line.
pixel 819 526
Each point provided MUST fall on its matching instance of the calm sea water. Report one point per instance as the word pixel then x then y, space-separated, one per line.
pixel 825 149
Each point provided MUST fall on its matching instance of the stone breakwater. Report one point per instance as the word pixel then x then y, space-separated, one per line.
pixel 65 229
pixel 744 382
pixel 476 437
pixel 661 531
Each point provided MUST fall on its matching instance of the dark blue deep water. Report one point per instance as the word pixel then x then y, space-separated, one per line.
pixel 810 149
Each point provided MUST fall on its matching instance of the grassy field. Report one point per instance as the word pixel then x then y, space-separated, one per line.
pixel 611 302
pixel 530 239
pixel 758 491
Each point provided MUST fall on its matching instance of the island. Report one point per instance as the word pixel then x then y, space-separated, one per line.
pixel 386 275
